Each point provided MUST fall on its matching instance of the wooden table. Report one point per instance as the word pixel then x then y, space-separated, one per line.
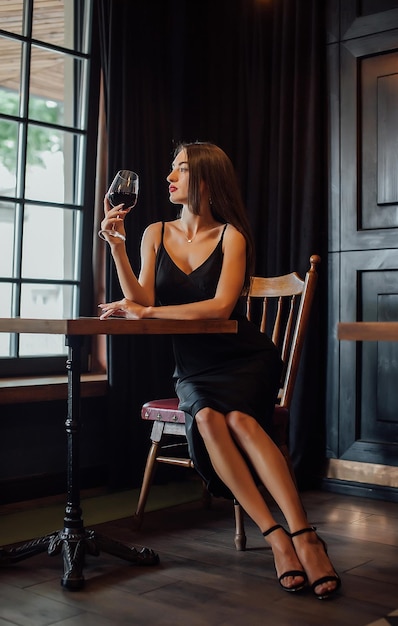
pixel 74 541
pixel 368 331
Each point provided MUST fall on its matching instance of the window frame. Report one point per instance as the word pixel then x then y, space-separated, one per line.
pixel 85 126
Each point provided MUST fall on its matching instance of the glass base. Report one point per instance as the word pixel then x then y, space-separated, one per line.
pixel 112 233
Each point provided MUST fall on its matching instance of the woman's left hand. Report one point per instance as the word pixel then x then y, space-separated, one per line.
pixel 122 308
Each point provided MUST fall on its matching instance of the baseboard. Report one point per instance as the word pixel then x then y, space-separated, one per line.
pixel 364 490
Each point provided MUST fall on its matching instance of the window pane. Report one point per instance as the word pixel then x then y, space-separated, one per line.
pixel 5 344
pixel 10 73
pixel 52 162
pixel 54 22
pixel 5 311
pixel 49 243
pixel 42 345
pixel 5 300
pixel 11 16
pixel 62 23
pixel 49 21
pixel 47 83
pixel 7 230
pixel 55 87
pixel 8 156
pixel 40 300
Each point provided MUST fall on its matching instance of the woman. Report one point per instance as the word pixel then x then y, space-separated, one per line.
pixel 198 266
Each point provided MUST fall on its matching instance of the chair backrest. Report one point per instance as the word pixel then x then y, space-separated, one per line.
pixel 284 314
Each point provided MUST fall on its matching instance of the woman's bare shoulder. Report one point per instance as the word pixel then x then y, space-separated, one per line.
pixel 152 232
pixel 152 228
pixel 232 234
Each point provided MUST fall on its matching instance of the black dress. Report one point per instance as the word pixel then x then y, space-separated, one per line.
pixel 224 372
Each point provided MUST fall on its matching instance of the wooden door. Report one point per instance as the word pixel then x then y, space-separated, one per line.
pixel 362 407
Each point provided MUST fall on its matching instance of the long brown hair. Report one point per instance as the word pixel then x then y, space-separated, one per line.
pixel 210 164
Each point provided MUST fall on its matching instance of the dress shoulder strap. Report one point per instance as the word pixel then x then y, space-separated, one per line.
pixel 223 231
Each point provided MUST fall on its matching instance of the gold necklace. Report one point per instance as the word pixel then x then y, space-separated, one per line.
pixel 189 239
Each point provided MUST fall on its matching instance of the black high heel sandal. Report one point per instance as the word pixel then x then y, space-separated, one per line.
pixel 324 579
pixel 294 572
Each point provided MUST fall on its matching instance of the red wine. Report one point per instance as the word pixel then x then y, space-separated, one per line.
pixel 123 197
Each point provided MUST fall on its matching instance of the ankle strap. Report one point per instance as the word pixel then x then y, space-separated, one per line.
pixel 271 530
pixel 310 529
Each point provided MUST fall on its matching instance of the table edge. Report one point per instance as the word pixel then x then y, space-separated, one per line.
pixel 367 331
pixel 116 326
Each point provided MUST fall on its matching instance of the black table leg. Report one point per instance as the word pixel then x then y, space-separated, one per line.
pixel 74 541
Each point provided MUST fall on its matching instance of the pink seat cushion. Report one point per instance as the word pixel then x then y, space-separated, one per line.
pixel 163 410
pixel 166 410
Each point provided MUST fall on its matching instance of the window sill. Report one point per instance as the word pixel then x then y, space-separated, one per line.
pixel 41 389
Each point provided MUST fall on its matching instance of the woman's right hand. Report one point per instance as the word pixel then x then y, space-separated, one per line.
pixel 114 221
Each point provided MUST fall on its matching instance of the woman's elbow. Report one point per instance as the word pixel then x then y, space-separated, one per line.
pixel 224 311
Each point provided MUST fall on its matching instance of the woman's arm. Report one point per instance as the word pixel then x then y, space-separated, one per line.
pixel 220 307
pixel 141 290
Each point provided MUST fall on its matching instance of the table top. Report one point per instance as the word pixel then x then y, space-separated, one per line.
pixel 115 326
pixel 368 331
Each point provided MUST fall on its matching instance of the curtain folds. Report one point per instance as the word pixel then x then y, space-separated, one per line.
pixel 248 75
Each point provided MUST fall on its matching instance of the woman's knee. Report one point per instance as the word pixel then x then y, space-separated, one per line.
pixel 209 420
pixel 241 425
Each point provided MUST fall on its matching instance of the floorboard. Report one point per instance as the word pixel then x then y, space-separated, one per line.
pixel 203 581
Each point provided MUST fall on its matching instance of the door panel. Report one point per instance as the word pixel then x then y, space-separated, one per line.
pixel 378 291
pixel 369 139
pixel 368 412
pixel 379 134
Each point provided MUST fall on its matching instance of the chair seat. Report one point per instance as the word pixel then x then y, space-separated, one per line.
pixel 166 410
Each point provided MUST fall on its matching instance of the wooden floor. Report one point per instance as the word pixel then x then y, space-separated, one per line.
pixel 203 581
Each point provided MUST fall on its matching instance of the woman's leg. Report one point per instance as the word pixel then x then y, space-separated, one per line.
pixel 270 466
pixel 231 467
pixel 274 473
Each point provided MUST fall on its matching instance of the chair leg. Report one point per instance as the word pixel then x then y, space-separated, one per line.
pixel 206 497
pixel 146 484
pixel 240 535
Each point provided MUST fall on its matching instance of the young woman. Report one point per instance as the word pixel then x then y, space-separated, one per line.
pixel 198 266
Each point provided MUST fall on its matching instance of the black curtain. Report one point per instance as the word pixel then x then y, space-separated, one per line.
pixel 248 75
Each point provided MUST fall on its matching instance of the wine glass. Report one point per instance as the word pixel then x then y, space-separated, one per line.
pixel 123 190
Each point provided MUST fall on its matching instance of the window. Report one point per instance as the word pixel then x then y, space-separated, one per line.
pixel 44 142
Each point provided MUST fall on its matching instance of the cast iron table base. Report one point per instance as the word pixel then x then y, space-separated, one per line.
pixel 74 546
pixel 74 541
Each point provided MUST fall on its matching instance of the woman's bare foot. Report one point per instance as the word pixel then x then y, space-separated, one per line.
pixel 311 550
pixel 289 570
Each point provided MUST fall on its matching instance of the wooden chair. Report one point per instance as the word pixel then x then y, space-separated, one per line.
pixel 284 311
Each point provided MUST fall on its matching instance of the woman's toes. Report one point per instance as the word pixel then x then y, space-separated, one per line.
pixel 325 588
pixel 292 582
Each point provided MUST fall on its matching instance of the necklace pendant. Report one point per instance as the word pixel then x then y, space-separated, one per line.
pixel 189 240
